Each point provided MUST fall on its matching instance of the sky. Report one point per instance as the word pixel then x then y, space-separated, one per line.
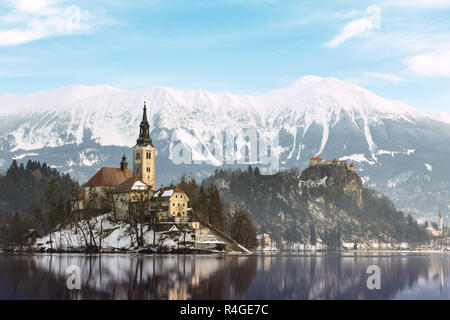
pixel 399 49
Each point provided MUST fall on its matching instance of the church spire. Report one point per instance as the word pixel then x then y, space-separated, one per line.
pixel 144 116
pixel 144 134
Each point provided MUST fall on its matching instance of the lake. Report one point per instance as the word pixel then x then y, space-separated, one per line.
pixel 270 276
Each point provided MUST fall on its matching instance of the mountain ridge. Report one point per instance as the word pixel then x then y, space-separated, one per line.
pixel 73 94
pixel 398 150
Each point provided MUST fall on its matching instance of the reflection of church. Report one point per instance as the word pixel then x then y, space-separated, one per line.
pixel 128 187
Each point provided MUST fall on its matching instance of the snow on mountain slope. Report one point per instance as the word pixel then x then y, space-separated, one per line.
pixel 79 129
pixel 334 96
pixel 60 116
pixel 325 101
pixel 113 115
pixel 54 100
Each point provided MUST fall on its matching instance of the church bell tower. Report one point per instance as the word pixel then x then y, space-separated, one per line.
pixel 144 154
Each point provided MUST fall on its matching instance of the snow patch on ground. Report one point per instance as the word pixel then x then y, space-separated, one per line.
pixel 365 179
pixel 23 155
pixel 392 183
pixel 313 183
pixel 118 235
pixel 393 153
pixel 357 157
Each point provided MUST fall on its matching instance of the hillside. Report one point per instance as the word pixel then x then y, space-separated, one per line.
pixel 33 184
pixel 324 202
pixel 398 150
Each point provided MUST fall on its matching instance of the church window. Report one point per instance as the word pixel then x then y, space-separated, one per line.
pixel 149 155
pixel 138 155
pixel 148 169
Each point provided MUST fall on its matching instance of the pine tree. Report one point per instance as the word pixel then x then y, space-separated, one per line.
pixel 215 208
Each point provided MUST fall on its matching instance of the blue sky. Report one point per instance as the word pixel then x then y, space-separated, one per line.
pixel 399 49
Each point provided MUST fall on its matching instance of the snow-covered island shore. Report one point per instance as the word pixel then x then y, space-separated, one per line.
pixel 103 234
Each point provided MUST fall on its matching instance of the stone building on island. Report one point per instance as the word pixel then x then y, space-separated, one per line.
pixel 132 193
pixel 98 187
pixel 128 188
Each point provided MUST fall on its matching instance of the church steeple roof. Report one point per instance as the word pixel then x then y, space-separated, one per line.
pixel 144 133
pixel 144 116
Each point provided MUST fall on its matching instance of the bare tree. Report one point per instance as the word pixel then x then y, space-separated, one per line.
pixel 138 207
pixel 242 229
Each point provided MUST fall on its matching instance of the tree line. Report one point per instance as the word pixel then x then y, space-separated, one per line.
pixel 207 205
pixel 280 204
pixel 34 199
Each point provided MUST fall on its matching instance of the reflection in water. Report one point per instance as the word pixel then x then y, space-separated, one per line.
pixel 308 276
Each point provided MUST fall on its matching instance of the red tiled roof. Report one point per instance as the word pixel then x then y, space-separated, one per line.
pixel 108 177
pixel 315 158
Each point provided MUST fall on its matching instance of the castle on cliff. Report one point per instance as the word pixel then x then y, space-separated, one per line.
pixel 316 161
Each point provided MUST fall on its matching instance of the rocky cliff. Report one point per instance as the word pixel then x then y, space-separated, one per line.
pixel 326 203
pixel 336 179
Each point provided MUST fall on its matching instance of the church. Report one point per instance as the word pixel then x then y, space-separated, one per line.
pixel 123 189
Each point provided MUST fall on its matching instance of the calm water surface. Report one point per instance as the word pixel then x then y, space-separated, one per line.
pixel 280 276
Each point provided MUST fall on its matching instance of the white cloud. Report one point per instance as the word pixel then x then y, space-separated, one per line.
pixel 30 20
pixel 360 27
pixel 385 76
pixel 419 3
pixel 346 14
pixel 431 64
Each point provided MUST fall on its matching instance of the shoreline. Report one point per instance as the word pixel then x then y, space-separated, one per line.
pixel 193 251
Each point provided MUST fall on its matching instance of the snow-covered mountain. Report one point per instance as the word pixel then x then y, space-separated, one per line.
pixel 442 116
pixel 78 129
